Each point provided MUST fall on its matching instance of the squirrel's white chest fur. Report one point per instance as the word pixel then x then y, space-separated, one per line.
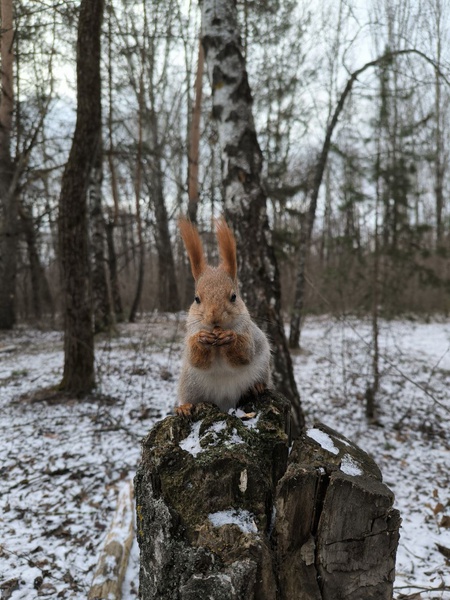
pixel 224 384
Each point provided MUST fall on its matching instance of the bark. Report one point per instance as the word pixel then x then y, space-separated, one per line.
pixel 100 290
pixel 225 512
pixel 168 298
pixel 113 271
pixel 372 389
pixel 8 196
pixel 137 195
pixel 439 163
pixel 78 375
pixel 40 291
pixel 245 198
pixel 112 223
pixel 194 159
pixel 194 141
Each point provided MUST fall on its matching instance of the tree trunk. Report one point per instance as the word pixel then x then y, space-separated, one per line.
pixel 194 160
pixel 79 375
pixel 112 223
pixel 225 512
pixel 137 196
pixel 194 140
pixel 8 196
pixel 113 271
pixel 299 298
pixel 168 298
pixel 40 291
pixel 245 198
pixel 102 311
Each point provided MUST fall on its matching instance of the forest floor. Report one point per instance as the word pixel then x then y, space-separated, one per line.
pixel 63 463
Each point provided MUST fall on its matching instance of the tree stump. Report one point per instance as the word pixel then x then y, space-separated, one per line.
pixel 224 511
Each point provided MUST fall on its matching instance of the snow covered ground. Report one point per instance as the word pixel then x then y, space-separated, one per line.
pixel 62 464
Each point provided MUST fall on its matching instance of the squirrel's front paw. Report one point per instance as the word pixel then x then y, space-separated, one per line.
pixel 207 338
pixel 225 337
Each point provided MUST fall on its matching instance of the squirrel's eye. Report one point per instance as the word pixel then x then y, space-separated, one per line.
pixel 197 299
pixel 233 298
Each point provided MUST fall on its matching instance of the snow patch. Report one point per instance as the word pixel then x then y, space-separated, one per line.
pixel 242 518
pixel 323 439
pixel 350 466
pixel 249 423
pixel 192 443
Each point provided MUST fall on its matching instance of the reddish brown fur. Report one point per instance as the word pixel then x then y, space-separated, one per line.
pixel 227 248
pixel 194 247
pixel 237 353
pixel 200 353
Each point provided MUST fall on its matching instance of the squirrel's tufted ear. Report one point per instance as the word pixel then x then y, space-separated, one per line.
pixel 227 248
pixel 193 246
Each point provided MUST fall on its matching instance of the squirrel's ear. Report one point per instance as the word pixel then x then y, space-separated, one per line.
pixel 227 247
pixel 193 246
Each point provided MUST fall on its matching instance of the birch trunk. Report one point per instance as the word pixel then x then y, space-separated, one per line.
pixel 245 198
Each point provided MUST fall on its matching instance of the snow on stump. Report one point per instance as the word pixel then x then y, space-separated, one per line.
pixel 225 512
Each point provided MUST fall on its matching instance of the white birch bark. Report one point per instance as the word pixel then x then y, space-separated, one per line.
pixel 245 198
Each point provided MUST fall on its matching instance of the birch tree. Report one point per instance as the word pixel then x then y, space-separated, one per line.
pixel 245 198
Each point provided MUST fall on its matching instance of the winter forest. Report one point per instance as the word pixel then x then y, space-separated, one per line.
pixel 322 134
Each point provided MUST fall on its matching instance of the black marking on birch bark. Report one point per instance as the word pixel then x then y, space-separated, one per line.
pixel 233 116
pixel 230 50
pixel 242 91
pixel 219 78
pixel 217 111
pixel 208 42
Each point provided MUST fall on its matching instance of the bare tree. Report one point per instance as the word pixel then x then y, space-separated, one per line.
pixel 310 215
pixel 245 198
pixel 79 376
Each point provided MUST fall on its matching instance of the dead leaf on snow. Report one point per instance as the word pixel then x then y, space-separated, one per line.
pixel 438 508
pixel 8 587
pixel 445 522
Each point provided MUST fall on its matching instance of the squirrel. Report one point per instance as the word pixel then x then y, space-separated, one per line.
pixel 226 354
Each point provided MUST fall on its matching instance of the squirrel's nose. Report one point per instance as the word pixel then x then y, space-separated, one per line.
pixel 214 319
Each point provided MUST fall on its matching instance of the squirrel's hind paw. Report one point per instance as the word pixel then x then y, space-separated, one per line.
pixel 259 388
pixel 184 410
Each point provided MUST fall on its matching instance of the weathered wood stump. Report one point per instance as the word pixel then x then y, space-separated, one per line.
pixel 225 512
